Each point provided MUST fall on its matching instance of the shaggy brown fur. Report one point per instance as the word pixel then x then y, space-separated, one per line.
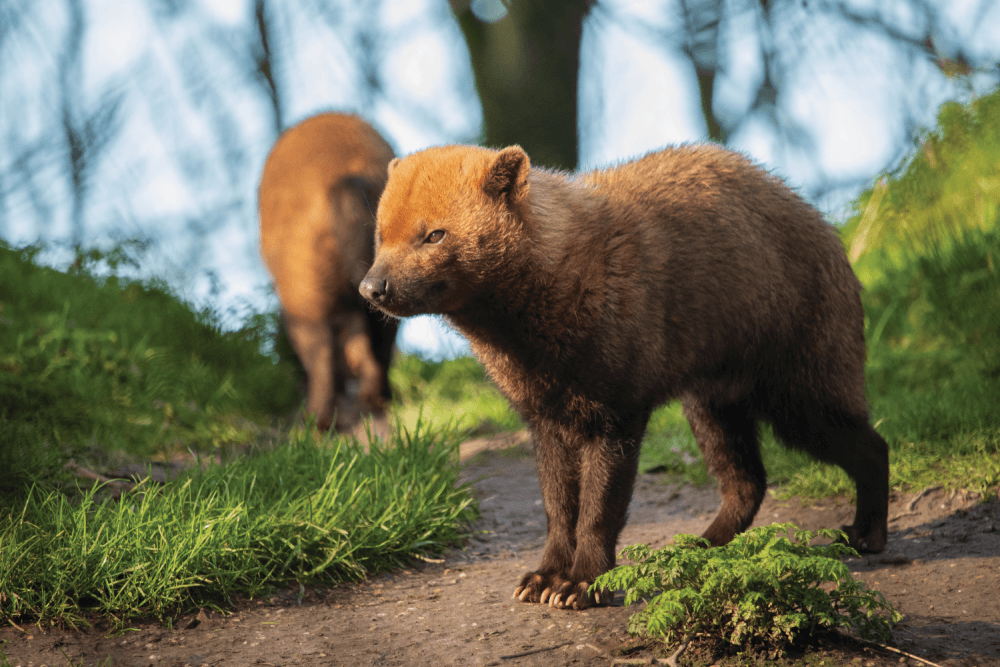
pixel 317 197
pixel 591 299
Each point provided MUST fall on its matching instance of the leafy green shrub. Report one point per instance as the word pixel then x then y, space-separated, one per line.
pixel 761 590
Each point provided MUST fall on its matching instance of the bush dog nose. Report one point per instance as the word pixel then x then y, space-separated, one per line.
pixel 374 288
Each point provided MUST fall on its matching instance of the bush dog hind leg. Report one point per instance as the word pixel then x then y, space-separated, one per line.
pixel 727 438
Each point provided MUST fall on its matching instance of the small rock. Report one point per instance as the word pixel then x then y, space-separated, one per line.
pixel 197 620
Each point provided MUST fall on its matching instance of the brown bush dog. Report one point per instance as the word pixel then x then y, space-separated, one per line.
pixel 593 298
pixel 317 197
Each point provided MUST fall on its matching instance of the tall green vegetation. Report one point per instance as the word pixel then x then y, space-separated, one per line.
pixel 926 244
pixel 297 513
pixel 113 364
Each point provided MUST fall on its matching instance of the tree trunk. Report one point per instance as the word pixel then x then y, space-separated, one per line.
pixel 702 18
pixel 526 67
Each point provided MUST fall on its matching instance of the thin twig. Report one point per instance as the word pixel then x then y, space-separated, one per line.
pixel 533 651
pixel 117 486
pixel 908 655
pixel 672 660
pixel 429 560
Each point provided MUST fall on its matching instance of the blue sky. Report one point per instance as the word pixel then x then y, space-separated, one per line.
pixel 851 91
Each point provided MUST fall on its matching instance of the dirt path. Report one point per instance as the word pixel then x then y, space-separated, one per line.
pixel 941 569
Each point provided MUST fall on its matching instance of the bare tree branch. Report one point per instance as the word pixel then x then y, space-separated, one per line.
pixel 263 55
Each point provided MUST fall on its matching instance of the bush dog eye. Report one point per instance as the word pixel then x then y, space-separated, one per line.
pixel 435 237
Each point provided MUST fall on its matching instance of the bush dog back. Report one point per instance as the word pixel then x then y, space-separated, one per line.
pixel 593 298
pixel 318 195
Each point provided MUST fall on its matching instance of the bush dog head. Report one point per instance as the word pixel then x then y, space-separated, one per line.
pixel 438 242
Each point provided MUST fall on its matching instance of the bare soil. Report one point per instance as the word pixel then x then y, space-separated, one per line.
pixel 941 570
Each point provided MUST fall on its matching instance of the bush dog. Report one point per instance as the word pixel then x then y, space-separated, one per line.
pixel 593 298
pixel 317 199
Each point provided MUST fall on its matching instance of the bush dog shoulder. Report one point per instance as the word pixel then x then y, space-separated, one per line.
pixel 593 298
pixel 318 195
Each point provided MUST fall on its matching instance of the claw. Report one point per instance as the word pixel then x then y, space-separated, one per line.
pixel 545 595
pixel 570 599
pixel 517 591
pixel 597 598
pixel 524 594
pixel 554 600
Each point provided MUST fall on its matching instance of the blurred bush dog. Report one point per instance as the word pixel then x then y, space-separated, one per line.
pixel 593 298
pixel 318 195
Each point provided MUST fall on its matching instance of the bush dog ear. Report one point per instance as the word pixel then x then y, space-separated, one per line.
pixel 507 176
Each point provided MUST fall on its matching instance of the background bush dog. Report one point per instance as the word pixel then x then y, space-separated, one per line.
pixel 593 298
pixel 318 195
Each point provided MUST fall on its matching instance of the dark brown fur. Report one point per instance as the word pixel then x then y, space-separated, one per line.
pixel 592 299
pixel 317 197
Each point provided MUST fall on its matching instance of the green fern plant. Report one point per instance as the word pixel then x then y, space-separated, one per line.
pixel 761 591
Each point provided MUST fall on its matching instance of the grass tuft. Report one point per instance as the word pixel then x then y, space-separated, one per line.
pixel 453 391
pixel 305 512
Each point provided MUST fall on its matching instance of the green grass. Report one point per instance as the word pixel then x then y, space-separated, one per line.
pixel 104 364
pixel 106 369
pixel 926 244
pixel 451 392
pixel 298 513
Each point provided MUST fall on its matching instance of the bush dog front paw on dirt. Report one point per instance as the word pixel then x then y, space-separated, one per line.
pixel 593 298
